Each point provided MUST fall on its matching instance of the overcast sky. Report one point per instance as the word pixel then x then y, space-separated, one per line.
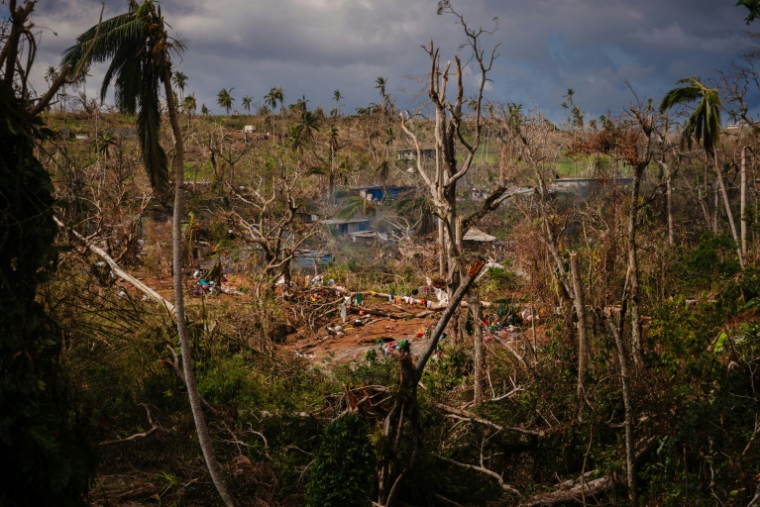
pixel 313 47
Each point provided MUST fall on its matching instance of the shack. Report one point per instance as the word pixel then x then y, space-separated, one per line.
pixel 475 240
pixel 343 227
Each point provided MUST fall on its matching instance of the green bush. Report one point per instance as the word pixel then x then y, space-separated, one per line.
pixel 343 470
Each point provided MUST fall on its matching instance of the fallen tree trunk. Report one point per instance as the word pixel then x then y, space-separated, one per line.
pixel 571 495
pixel 574 490
pixel 117 269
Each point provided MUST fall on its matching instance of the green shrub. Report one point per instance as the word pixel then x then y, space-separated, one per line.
pixel 343 470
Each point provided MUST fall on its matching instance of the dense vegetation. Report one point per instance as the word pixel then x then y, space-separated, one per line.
pixel 630 378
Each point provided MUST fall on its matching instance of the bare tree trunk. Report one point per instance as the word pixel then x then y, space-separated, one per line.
pixel 704 205
pixel 479 349
pixel 442 249
pixel 179 304
pixel 716 208
pixel 669 204
pixel 743 202
pixel 633 265
pixel 580 311
pixel 630 465
pixel 722 185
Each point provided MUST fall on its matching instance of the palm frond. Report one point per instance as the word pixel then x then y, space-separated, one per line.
pixel 679 96
pixel 148 126
pixel 383 170
pixel 411 203
pixel 355 205
pixel 704 122
pixel 124 29
pixel 127 68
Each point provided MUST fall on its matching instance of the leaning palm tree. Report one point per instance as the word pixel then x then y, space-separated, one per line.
pixel 704 125
pixel 247 103
pixel 140 49
pixel 224 99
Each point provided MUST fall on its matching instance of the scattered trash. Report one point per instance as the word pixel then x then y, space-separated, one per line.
pixel 336 330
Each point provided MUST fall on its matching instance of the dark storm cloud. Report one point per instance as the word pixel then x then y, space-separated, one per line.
pixel 312 47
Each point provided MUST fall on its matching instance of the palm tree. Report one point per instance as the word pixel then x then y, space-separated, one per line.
pixel 337 97
pixel 224 99
pixel 299 107
pixel 270 99
pixel 51 75
pixel 704 125
pixel 754 9
pixel 139 49
pixel 303 133
pixel 381 84
pixel 274 97
pixel 189 104
pixel 247 103
pixel 569 96
pixel 180 81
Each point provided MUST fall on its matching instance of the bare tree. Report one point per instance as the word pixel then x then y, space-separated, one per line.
pixel 404 410
pixel 442 181
pixel 270 220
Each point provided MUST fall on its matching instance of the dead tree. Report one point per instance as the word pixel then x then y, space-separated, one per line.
pixel 273 227
pixel 441 182
pixel 402 421
pixel 637 151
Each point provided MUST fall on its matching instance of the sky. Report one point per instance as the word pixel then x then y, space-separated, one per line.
pixel 312 47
